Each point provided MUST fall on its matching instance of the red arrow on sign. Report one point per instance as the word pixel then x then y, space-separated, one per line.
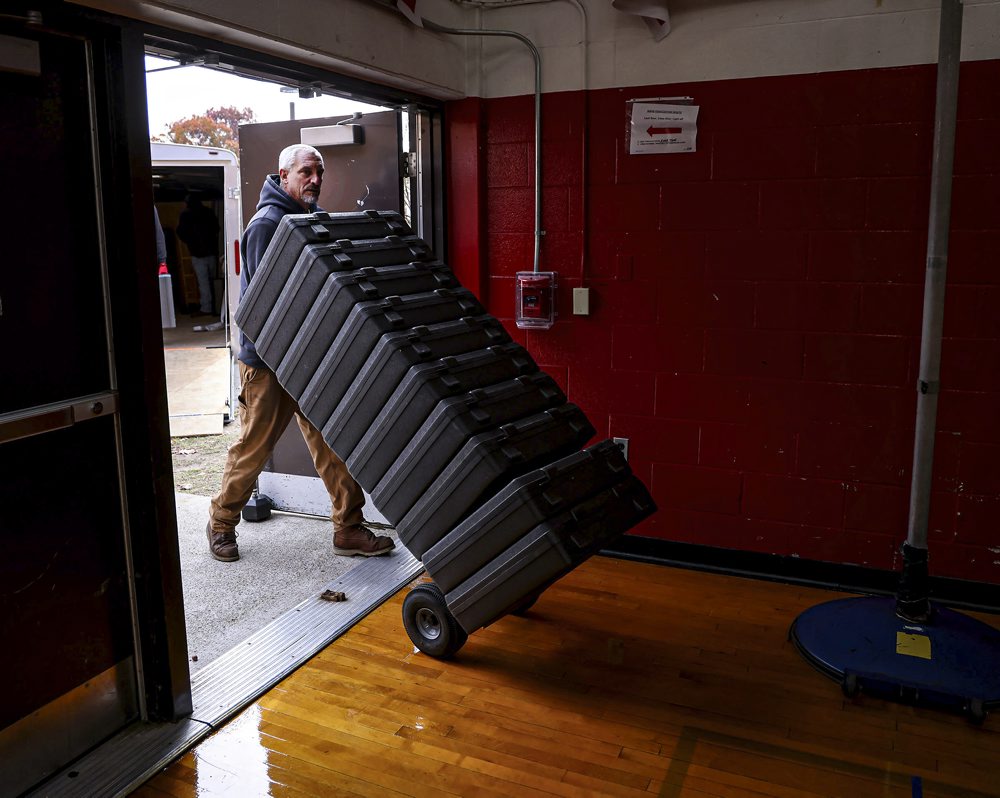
pixel 653 131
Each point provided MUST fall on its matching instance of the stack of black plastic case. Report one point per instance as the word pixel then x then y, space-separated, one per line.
pixel 469 449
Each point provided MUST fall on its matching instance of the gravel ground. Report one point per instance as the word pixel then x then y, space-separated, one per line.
pixel 199 461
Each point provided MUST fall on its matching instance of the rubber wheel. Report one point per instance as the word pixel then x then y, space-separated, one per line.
pixel 524 606
pixel 430 624
pixel 977 712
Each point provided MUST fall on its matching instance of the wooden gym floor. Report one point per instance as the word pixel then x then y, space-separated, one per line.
pixel 625 679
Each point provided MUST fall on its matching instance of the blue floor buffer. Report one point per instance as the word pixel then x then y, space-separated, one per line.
pixel 906 648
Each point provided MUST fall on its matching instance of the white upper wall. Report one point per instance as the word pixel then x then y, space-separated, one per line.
pixel 710 40
pixel 354 37
pixel 716 40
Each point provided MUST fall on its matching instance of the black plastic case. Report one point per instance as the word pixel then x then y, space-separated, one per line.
pixel 548 551
pixel 485 465
pixel 340 358
pixel 419 392
pixel 383 267
pixel 452 422
pixel 314 327
pixel 526 502
pixel 293 233
pixel 346 421
pixel 464 445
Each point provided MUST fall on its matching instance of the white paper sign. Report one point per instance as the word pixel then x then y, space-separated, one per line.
pixel 661 127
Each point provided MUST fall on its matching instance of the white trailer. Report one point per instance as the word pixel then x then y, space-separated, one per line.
pixel 214 173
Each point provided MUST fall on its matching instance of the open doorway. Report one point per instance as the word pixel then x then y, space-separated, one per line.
pixel 287 558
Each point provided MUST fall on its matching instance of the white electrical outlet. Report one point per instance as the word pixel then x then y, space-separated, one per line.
pixel 622 443
pixel 581 301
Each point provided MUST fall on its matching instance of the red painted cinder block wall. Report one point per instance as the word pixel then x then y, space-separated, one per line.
pixel 756 305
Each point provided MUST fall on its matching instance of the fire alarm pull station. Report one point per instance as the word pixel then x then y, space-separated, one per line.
pixel 535 300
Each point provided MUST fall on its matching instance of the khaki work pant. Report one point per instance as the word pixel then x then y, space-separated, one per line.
pixel 265 410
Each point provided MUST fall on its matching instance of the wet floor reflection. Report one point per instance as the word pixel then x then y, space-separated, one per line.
pixel 234 759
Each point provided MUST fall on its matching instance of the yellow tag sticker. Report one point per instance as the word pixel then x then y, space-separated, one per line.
pixel 913 645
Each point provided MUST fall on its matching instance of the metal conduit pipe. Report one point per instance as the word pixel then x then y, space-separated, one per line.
pixel 912 598
pixel 492 5
pixel 538 112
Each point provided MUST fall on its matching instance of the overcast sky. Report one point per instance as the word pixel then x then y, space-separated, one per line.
pixel 190 91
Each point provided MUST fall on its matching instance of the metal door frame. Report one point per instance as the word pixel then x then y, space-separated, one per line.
pixel 108 701
pixel 123 184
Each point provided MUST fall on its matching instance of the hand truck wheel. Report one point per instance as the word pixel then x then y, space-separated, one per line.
pixel 524 606
pixel 430 624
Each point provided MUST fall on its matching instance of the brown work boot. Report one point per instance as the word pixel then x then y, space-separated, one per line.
pixel 359 539
pixel 222 545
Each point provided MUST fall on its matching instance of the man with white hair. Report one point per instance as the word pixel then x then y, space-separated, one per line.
pixel 266 407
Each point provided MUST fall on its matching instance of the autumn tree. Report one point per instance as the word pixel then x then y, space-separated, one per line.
pixel 217 127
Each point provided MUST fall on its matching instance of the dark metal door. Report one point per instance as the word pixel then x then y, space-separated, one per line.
pixel 366 172
pixel 66 623
pixel 359 176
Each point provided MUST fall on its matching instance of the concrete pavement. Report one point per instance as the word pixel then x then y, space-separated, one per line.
pixel 283 561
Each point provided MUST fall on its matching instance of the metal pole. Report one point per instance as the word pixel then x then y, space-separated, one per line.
pixel 912 598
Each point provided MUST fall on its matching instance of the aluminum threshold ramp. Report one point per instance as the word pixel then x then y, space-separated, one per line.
pixel 237 678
